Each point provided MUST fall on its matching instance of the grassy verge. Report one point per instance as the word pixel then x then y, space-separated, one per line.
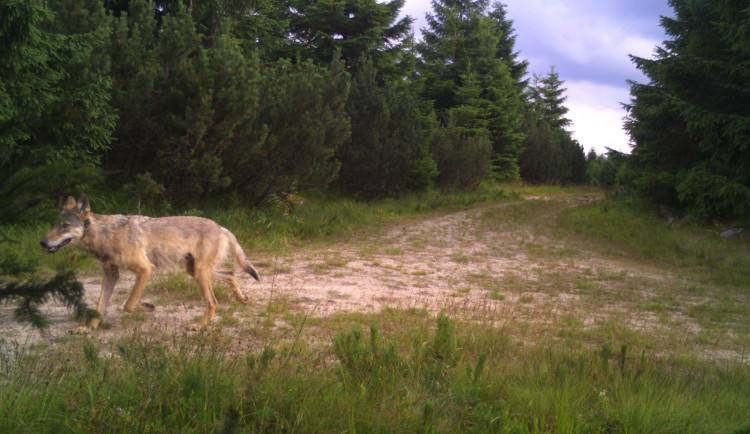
pixel 621 227
pixel 443 377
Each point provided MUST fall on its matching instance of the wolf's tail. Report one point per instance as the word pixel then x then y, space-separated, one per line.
pixel 240 258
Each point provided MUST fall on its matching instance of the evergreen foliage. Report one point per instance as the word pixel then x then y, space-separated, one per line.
pixel 385 155
pixel 43 148
pixel 28 295
pixel 462 42
pixel 181 103
pixel 463 159
pixel 550 152
pixel 27 73
pixel 197 99
pixel 506 45
pixel 219 120
pixel 84 119
pixel 205 105
pixel 601 170
pixel 348 30
pixel 300 124
pixel 54 83
pixel 690 124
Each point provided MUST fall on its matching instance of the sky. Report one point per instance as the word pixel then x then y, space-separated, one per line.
pixel 588 43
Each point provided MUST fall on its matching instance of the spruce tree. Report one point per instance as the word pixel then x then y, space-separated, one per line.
pixel 460 38
pixel 506 45
pixel 690 124
pixel 550 100
pixel 349 30
pixel 550 152
pixel 54 82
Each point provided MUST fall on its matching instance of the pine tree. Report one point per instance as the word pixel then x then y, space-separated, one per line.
pixel 185 99
pixel 690 124
pixel 201 116
pixel 163 90
pixel 385 155
pixel 463 160
pixel 300 124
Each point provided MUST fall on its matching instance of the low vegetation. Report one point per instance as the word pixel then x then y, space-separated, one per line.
pixel 407 369
pixel 444 377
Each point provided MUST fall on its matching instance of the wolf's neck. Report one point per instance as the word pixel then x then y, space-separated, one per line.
pixel 94 240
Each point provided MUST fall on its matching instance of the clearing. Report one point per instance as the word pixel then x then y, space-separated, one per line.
pixel 506 265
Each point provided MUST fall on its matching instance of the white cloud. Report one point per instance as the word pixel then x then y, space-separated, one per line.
pixel 597 115
pixel 569 32
pixel 589 46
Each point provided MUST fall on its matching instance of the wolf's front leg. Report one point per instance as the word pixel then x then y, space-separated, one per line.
pixel 109 280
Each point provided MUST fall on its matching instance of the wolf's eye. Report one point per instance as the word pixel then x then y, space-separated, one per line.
pixel 65 226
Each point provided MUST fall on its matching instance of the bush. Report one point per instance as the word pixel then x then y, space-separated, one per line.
pixel 463 160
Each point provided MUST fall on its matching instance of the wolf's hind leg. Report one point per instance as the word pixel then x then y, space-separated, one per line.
pixel 141 278
pixel 228 277
pixel 204 281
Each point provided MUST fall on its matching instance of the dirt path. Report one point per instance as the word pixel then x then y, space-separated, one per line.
pixel 492 264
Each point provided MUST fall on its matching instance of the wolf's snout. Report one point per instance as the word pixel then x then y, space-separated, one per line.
pixel 44 243
pixel 53 248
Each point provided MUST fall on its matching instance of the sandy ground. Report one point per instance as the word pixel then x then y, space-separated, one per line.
pixel 459 263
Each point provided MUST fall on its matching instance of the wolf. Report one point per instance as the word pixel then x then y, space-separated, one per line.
pixel 145 244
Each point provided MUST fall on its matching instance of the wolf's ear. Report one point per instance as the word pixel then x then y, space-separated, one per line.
pixel 83 208
pixel 70 203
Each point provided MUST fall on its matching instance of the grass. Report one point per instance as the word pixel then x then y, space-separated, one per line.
pixel 446 376
pixel 657 343
pixel 324 217
pixel 623 228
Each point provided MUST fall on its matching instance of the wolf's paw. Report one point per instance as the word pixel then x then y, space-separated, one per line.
pixel 146 307
pixel 194 327
pixel 244 299
pixel 83 330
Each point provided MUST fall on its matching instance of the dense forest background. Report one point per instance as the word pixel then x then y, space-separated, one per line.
pixel 260 98
pixel 181 101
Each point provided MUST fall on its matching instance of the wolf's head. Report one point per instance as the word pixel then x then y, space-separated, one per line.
pixel 70 226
